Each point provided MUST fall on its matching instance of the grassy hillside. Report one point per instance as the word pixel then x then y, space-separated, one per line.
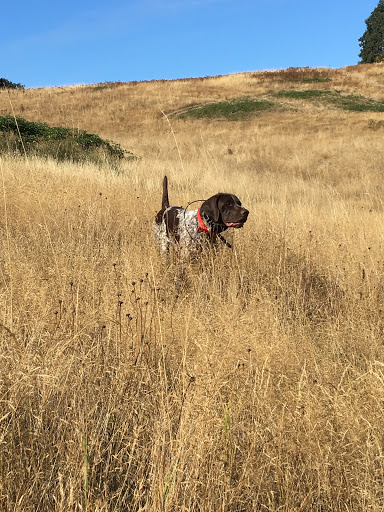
pixel 257 386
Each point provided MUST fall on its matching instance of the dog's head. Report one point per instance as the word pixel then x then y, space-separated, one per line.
pixel 225 210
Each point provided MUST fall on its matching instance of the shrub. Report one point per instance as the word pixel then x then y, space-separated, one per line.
pixel 357 103
pixel 18 135
pixel 351 102
pixel 238 108
pixel 241 108
pixel 375 125
pixel 106 85
pixel 303 95
pixel 294 75
pixel 310 80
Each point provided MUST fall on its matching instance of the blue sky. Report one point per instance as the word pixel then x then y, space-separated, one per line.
pixel 48 43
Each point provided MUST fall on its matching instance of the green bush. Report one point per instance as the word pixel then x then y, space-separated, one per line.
pixel 18 135
pixel 354 103
pixel 238 108
pixel 241 108
pixel 357 103
pixel 303 95
pixel 310 80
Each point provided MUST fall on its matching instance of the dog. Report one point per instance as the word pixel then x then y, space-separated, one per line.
pixel 188 231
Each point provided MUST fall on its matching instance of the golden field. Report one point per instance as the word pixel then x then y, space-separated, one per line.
pixel 258 385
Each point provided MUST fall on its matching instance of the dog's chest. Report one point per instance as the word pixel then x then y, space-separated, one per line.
pixel 188 228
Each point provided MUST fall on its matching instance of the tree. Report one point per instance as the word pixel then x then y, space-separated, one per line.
pixel 372 41
pixel 6 84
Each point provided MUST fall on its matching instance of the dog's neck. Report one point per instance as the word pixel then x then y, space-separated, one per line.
pixel 207 225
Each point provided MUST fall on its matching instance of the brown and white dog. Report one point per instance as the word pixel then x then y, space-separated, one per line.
pixel 188 230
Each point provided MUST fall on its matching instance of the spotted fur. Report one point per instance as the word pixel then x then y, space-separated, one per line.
pixel 190 230
pixel 187 238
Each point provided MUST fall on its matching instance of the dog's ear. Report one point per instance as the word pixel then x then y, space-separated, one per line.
pixel 211 208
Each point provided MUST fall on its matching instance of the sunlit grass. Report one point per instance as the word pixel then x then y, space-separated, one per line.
pixel 255 382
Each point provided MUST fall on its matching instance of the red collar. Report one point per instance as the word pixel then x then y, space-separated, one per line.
pixel 212 234
pixel 202 226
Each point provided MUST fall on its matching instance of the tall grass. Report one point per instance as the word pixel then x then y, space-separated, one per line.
pixel 255 385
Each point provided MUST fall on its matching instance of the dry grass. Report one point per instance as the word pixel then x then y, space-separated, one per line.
pixel 257 386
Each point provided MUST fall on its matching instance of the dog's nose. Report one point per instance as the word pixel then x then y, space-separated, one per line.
pixel 244 213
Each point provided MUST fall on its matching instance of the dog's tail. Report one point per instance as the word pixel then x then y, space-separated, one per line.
pixel 165 200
